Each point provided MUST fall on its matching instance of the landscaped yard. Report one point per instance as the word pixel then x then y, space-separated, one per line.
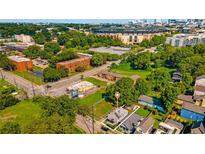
pixel 4 84
pixel 142 112
pixel 23 113
pixel 125 69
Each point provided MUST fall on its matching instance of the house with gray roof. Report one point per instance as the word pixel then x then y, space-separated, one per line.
pixel 117 115
pixel 151 102
pixel 192 111
pixel 131 123
pixel 146 126
pixel 169 127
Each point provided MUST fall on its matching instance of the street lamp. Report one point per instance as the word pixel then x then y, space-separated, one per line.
pixel 117 96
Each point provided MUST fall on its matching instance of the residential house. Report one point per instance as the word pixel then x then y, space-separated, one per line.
pixel 117 115
pixel 169 127
pixel 177 76
pixel 151 102
pixel 146 126
pixel 199 90
pixel 198 128
pixel 184 98
pixel 131 123
pixel 192 111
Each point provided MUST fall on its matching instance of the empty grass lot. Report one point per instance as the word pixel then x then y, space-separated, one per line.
pixel 23 113
pixel 96 81
pixel 126 69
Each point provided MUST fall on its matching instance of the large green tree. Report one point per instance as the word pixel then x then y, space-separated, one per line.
pixel 142 86
pixel 97 59
pixel 128 94
pixel 169 96
pixel 52 47
pixel 10 128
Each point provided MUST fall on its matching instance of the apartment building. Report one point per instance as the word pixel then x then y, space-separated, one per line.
pixel 180 40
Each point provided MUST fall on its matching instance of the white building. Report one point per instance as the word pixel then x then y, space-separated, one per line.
pixel 180 40
pixel 24 38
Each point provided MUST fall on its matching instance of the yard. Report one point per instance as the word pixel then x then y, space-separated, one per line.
pixel 142 112
pixel 101 107
pixel 126 69
pixel 4 84
pixel 23 113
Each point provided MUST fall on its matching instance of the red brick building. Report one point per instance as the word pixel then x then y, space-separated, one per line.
pixel 71 65
pixel 21 63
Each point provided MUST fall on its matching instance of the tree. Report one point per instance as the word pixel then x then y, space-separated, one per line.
pixel 187 80
pixel 5 63
pixel 7 100
pixel 128 94
pixel 142 86
pixel 199 49
pixel 80 69
pixel 51 74
pixel 159 79
pixel 32 51
pixel 54 124
pixel 169 96
pixel 10 128
pixel 141 61
pixel 52 47
pixel 63 38
pixel 39 38
pixel 97 59
pixel 63 72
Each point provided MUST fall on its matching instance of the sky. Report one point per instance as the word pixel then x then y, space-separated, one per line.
pixel 84 21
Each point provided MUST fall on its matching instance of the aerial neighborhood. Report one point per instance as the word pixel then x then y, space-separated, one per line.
pixel 142 77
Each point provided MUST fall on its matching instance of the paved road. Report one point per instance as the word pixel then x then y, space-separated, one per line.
pixel 22 83
pixel 59 88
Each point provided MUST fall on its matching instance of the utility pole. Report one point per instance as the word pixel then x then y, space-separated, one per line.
pixel 93 119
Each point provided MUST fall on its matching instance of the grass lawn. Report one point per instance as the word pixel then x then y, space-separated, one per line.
pixel 29 76
pixel 93 98
pixel 102 109
pixel 142 112
pixel 23 113
pixel 125 69
pixel 96 81
pixel 4 84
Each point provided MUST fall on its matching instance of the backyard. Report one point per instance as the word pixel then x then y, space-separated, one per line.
pixel 126 69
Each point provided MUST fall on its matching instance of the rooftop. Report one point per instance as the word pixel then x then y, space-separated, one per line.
pixel 118 115
pixel 18 58
pixel 194 108
pixel 199 127
pixel 187 98
pixel 132 121
pixel 111 50
pixel 147 123
pixel 150 100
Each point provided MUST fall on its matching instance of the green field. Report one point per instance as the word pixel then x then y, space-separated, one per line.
pixel 23 113
pixel 142 112
pixel 126 69
pixel 102 109
pixel 96 81
pixel 29 76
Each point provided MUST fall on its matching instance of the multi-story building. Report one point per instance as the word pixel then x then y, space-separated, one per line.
pixel 84 60
pixel 180 40
pixel 24 38
pixel 130 35
pixel 21 63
